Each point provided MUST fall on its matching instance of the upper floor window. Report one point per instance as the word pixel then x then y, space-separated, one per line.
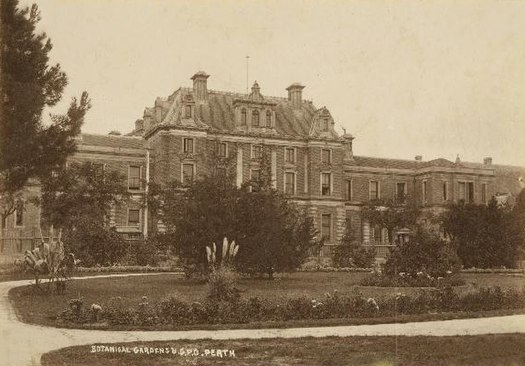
pixel 188 173
pixel 324 124
pixel 289 156
pixel 466 191
pixel 188 145
pixel 256 151
pixel 187 111
pixel 326 184
pixel 401 192
pixel 268 119
pixel 326 227
pixel 348 190
pixel 134 177
pixel 374 190
pixel 243 116
pixel 326 156
pixel 222 149
pixel 289 183
pixel 255 118
pixel 133 217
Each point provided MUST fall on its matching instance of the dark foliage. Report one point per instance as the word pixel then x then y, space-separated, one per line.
pixel 486 236
pixel 28 147
pixel 350 253
pixel 424 252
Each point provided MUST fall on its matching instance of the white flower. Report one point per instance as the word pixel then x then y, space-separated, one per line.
pixel 96 308
pixel 449 272
pixel 402 274
pixel 372 302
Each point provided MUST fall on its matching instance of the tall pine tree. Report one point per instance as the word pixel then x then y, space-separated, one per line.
pixel 28 147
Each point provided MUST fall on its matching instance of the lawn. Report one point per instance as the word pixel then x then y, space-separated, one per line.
pixel 33 307
pixel 332 351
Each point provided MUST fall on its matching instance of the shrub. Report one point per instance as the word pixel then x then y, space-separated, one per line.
pixel 95 244
pixel 425 252
pixel 173 311
pixel 142 253
pixel 221 285
pixel 350 253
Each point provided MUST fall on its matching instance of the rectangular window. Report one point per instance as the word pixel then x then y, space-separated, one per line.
pixel 326 227
pixel 134 178
pixel 256 151
pixel 326 184
pixel 376 234
pixel 187 111
pixel 223 149
pixel 188 172
pixel 326 156
pixel 290 155
pixel 19 214
pixel 424 194
pixel 133 217
pixel 374 190
pixel 255 176
pixel 221 172
pixel 445 191
pixel 466 191
pixel 188 145
pixel 401 192
pixel 484 193
pixel 289 183
pixel 348 190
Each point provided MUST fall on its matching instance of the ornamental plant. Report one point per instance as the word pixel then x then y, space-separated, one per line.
pixel 222 277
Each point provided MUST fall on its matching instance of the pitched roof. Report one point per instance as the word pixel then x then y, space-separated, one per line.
pixel 371 162
pixel 218 113
pixel 111 141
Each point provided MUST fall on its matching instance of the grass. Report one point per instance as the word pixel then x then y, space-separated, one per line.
pixel 331 351
pixel 33 307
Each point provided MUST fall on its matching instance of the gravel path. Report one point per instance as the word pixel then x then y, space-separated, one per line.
pixel 23 344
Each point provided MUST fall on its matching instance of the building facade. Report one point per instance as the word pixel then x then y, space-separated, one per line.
pixel 196 129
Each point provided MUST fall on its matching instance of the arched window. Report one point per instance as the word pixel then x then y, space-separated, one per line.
pixel 255 118
pixel 268 119
pixel 187 113
pixel 243 116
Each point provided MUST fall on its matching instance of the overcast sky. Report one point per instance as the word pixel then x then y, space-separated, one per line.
pixel 431 78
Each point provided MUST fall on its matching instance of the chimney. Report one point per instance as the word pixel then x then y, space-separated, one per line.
pixel 487 161
pixel 200 85
pixel 419 158
pixel 114 133
pixel 295 94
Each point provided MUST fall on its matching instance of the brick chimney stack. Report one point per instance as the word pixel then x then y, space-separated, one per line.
pixel 487 161
pixel 295 94
pixel 200 86
pixel 419 158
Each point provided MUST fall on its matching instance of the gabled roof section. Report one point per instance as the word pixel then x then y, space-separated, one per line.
pixel 371 162
pixel 126 142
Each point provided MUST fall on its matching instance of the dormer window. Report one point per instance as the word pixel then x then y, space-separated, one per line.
pixel 255 118
pixel 324 124
pixel 243 116
pixel 268 119
pixel 187 111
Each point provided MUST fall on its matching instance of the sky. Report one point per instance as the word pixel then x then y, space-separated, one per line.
pixel 406 78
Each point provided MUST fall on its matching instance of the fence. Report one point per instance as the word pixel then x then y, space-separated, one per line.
pixel 14 242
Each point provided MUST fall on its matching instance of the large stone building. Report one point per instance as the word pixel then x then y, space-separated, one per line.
pixel 197 129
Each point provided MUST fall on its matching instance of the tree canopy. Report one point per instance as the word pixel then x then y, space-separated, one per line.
pixel 28 147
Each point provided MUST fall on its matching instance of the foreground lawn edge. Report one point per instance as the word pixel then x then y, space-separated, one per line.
pixel 507 349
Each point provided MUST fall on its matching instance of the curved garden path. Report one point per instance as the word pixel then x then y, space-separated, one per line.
pixel 23 344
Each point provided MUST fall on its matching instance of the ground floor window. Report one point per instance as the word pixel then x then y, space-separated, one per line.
pixel 326 227
pixel 133 217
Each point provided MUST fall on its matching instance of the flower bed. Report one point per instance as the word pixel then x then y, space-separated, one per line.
pixel 172 311
pixel 419 279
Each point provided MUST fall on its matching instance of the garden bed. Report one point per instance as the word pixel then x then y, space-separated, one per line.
pixel 35 308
